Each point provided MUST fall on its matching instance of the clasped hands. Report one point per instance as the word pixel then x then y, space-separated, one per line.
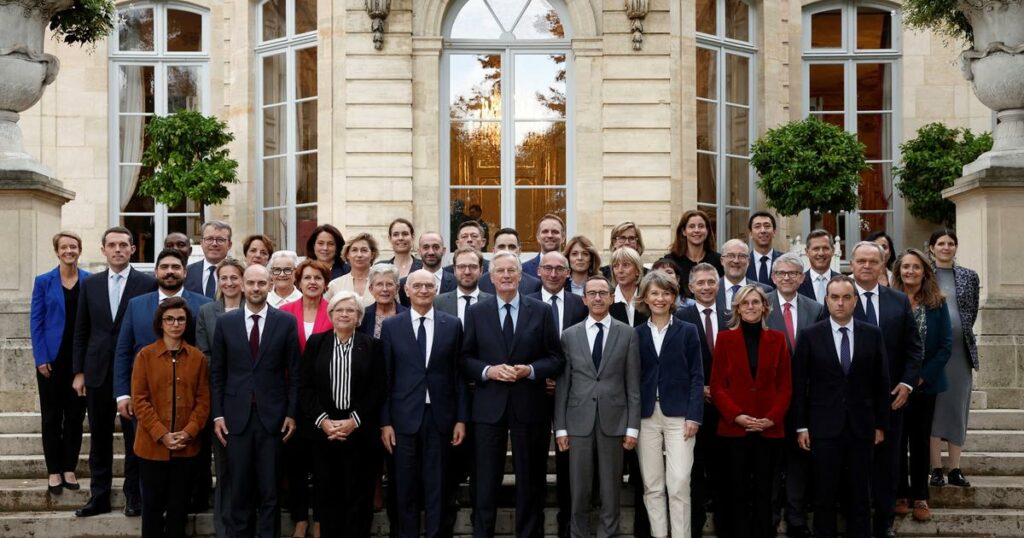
pixel 338 430
pixel 508 373
pixel 752 424
pixel 175 440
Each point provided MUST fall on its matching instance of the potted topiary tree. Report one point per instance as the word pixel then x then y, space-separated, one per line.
pixel 809 164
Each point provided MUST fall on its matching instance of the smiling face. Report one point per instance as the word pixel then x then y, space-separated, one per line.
pixel 467 270
pixel 911 270
pixel 68 250
pixel 325 248
pixel 216 244
pixel 549 235
pixel 170 274
pixel 360 255
pixel 257 253
pixel 256 284
pixel 763 232
pixel 598 298
pixel 383 289
pixel 787 278
pixel 118 250
pixel 751 307
pixel 401 238
pixel 944 250
pixel 421 289
pixel 505 276
pixel 229 282
pixel 659 300
pixel 281 271
pixel 819 251
pixel 704 285
pixel 345 316
pixel 312 284
pixel 553 269
pixel 696 231
pixel 579 259
pixel 431 250
pixel 735 259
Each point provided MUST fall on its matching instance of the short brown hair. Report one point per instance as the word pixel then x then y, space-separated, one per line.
pixel 374 251
pixel 315 264
pixel 69 235
pixel 554 217
pixel 267 242
pixel 468 250
pixel 400 220
pixel 170 303
pixel 659 279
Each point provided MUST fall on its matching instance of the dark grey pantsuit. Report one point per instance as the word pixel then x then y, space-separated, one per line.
pixel 585 453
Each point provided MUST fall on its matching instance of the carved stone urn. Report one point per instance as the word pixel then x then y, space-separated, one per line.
pixel 25 71
pixel 995 67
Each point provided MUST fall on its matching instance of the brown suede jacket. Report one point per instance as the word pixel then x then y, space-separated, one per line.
pixel 164 390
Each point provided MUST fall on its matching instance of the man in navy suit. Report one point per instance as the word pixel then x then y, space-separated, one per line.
pixel 735 260
pixel 761 226
pixel 550 237
pixel 511 347
pixel 216 244
pixel 431 251
pixel 819 252
pixel 427 406
pixel 841 400
pixel 254 385
pixel 507 240
pixel 102 303
pixel 890 311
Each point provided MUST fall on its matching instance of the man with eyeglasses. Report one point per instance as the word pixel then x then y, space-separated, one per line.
pixel 468 267
pixel 216 244
pixel 735 259
pixel 282 274
pixel 470 234
pixel 507 240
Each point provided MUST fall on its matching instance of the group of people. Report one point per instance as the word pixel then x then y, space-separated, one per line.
pixel 734 382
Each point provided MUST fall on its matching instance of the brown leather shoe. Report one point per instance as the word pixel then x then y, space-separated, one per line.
pixel 902 507
pixel 921 511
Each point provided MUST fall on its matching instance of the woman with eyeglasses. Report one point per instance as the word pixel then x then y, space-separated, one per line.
pixel 626 273
pixel 584 262
pixel 624 234
pixel 282 269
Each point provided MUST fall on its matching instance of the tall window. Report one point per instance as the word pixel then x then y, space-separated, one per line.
pixel 725 123
pixel 851 79
pixel 504 160
pixel 287 120
pixel 158 65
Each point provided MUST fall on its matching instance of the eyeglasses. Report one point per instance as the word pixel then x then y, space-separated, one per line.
pixel 553 268
pixel 598 293
pixel 467 267
pixel 172 320
pixel 282 271
pixel 215 240
pixel 787 274
pixel 733 256
pixel 628 238
pixel 423 286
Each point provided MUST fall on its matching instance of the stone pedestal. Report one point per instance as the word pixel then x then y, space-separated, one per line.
pixel 990 225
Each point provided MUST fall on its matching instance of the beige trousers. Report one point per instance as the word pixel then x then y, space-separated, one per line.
pixel 665 462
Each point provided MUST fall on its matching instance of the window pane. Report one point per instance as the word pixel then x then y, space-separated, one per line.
pixel 189 225
pixel 827 30
pixel 839 120
pixel 305 70
pixel 736 224
pixel 826 87
pixel 707 179
pixel 737 130
pixel 273 19
pixel 305 127
pixel 461 200
pixel 184 31
pixel 142 228
pixel 183 91
pixel 737 79
pixel 876 187
pixel 737 20
pixel 305 16
pixel 135 29
pixel 739 181
pixel 540 153
pixel 135 89
pixel 874 28
pixel 305 179
pixel 540 21
pixel 475 21
pixel 274 79
pixel 305 223
pixel 275 225
pixel 707 17
pixel 875 132
pixel 475 153
pixel 475 86
pixel 707 75
pixel 131 202
pixel 507 11
pixel 540 86
pixel 274 131
pixel 131 135
pixel 531 205
pixel 874 86
pixel 274 182
pixel 707 120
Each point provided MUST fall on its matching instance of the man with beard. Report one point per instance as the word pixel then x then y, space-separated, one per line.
pixel 431 251
pixel 507 240
pixel 736 259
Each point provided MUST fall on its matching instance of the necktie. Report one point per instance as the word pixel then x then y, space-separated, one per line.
pixel 554 311
pixel 819 289
pixel 787 316
pixel 869 309
pixel 507 331
pixel 709 330
pixel 844 351
pixel 115 295
pixel 421 337
pixel 762 272
pixel 211 283
pixel 734 289
pixel 598 350
pixel 254 336
pixel 469 301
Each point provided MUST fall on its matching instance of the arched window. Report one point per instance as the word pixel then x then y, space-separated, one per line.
pixel 159 56
pixel 504 154
pixel 726 57
pixel 851 78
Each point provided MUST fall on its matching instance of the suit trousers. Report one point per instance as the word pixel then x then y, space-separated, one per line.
pixel 346 474
pixel 298 465
pixel 530 442
pixel 420 465
pixel 166 484
pixel 202 480
pixel 753 462
pixel 707 476
pixel 914 447
pixel 666 461
pixel 886 471
pixel 641 523
pixel 797 473
pixel 839 465
pixel 62 411
pixel 587 454
pixel 222 493
pixel 253 454
pixel 102 413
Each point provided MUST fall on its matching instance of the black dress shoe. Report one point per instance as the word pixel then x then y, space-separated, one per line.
pixel 956 478
pixel 55 490
pixel 73 486
pixel 132 511
pixel 95 506
pixel 936 478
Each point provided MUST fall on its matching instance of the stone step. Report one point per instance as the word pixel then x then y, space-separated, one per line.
pixel 29 422
pixel 33 466
pixel 994 441
pixel 985 491
pixel 13 444
pixel 992 464
pixel 996 419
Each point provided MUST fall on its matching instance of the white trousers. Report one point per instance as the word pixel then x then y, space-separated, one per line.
pixel 665 462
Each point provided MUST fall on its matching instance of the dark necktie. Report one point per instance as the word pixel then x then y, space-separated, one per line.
pixel 254 336
pixel 709 330
pixel 869 309
pixel 735 288
pixel 598 350
pixel 469 302
pixel 554 311
pixel 421 337
pixel 844 351
pixel 762 272
pixel 211 283
pixel 507 331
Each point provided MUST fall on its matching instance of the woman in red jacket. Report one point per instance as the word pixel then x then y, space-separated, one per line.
pixel 751 387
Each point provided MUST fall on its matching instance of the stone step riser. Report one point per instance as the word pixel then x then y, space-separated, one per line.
pixel 29 422
pixel 30 444
pixel 994 441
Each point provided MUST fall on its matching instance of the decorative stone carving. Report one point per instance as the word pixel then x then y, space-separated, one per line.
pixel 636 10
pixel 378 10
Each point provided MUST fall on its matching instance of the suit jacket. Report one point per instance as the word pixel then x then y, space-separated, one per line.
pixel 366 382
pixel 899 330
pixel 735 392
pixel 755 265
pixel 410 378
pixel 417 263
pixel 692 314
pixel 320 324
pixel 270 380
pixel 937 336
pixel 194 278
pixel 206 325
pixel 137 333
pixel 448 302
pixel 96 332
pixel 676 376
pixel 808 312
pixel 370 319
pixel 807 286
pixel 827 401
pixel 722 284
pixel 527 284
pixel 530 266
pixel 536 343
pixel 618 311
pixel 47 316
pixel 448 283
pixel 573 309
pixel 607 396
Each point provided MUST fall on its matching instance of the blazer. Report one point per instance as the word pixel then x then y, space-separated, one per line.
pixel 366 384
pixel 530 266
pixel 96 332
pixel 206 325
pixel 158 380
pixel 735 392
pixel 270 379
pixel 692 314
pixel 137 332
pixel 755 264
pixel 573 309
pixel 536 343
pixel 967 289
pixel 527 284
pixel 194 278
pixel 808 312
pixel 370 318
pixel 675 378
pixel 618 311
pixel 807 286
pixel 827 401
pixel 899 330
pixel 937 336
pixel 417 263
pixel 410 378
pixel 320 324
pixel 605 397
pixel 448 283
pixel 448 302
pixel 722 284
pixel 47 316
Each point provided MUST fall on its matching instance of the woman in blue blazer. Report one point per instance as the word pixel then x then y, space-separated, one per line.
pixel 52 317
pixel 915 277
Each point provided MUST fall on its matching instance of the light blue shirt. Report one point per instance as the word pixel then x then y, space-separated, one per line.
pixel 501 322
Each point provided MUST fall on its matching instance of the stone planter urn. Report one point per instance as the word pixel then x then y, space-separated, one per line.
pixel 995 67
pixel 25 71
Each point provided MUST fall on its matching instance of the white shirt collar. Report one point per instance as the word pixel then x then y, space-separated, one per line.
pixel 124 272
pixel 163 295
pixel 741 283
pixel 606 322
pixel 262 313
pixel 546 295
pixel 862 291
pixel 416 315
pixel 474 294
pixel 814 274
pixel 701 308
pixel 650 323
pixel 836 326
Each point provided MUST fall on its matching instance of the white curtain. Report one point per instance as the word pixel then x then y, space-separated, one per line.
pixel 131 135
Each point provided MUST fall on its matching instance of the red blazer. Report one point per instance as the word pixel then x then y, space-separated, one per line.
pixel 321 324
pixel 735 393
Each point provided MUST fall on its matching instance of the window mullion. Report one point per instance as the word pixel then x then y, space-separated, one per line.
pixel 291 161
pixel 508 143
pixel 722 178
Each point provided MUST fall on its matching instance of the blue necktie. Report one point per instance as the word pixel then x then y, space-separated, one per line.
pixel 734 289
pixel 869 309
pixel 554 311
pixel 598 350
pixel 844 351
pixel 211 284
pixel 762 273
pixel 115 295
pixel 507 331
pixel 421 337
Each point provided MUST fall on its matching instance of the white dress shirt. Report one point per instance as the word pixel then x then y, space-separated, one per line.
pixel 878 311
pixel 248 328
pixel 792 311
pixel 837 338
pixel 757 261
pixel 815 278
pixel 124 280
pixel 460 303
pixel 714 322
pixel 728 289
pixel 428 327
pixel 658 336
pixel 630 308
pixel 207 275
pixel 546 296
pixel 515 325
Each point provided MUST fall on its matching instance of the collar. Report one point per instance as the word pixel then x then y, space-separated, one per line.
pixel 124 272
pixel 207 265
pixel 650 323
pixel 474 294
pixel 741 283
pixel 605 322
pixel 757 254
pixel 700 308
pixel 791 302
pixel 814 274
pixel 161 295
pixel 620 298
pixel 546 295
pixel 514 302
pixel 836 326
pixel 262 313
pixel 416 315
pixel 862 291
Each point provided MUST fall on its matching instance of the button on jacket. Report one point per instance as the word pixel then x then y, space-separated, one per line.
pixel 164 390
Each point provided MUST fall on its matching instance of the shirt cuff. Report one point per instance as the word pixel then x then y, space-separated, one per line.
pixel 320 419
pixel 561 433
pixel 908 386
pixel 119 398
pixel 355 416
pixel 632 432
pixel 533 374
pixel 801 430
pixel 483 376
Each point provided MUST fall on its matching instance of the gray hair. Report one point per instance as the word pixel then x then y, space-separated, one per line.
pixel 790 259
pixel 506 254
pixel 561 257
pixel 701 268
pixel 871 244
pixel 736 243
pixel 383 269
pixel 345 295
pixel 289 255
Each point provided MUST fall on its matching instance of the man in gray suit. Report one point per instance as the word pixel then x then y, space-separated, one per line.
pixel 597 407
pixel 467 263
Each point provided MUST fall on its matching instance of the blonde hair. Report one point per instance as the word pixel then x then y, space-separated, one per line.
pixel 628 255
pixel 740 296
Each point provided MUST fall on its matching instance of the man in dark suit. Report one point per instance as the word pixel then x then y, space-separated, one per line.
pixel 841 396
pixel 761 226
pixel 550 238
pixel 216 244
pixel 102 303
pixel 470 234
pixel 511 346
pixel 819 252
pixel 427 406
pixel 468 267
pixel 431 251
pixel 254 383
pixel 507 240
pixel 179 242
pixel 890 311
pixel 790 314
pixel 735 260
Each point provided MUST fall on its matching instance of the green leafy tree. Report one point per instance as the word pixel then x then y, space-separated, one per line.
pixel 189 159
pixel 932 162
pixel 85 22
pixel 942 17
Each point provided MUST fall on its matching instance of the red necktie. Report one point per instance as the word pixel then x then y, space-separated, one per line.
pixel 254 336
pixel 709 332
pixel 787 316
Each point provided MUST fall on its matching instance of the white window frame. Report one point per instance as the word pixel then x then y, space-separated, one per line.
pixel 508 49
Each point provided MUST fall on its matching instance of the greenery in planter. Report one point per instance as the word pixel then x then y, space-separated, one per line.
pixel 940 16
pixel 931 162
pixel 85 22
pixel 187 154
pixel 809 164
